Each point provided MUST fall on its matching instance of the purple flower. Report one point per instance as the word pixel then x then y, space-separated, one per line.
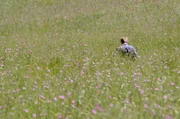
pixel 73 101
pixel 99 108
pixel 55 99
pixel 110 97
pixel 121 73
pixel 145 106
pixel 94 111
pixel 139 74
pixel 41 96
pixel 127 101
pixel 27 76
pixel 141 91
pixel 172 83
pixel 165 97
pixel 34 115
pixel 62 97
pixel 26 110
pixel 59 117
pixel 168 117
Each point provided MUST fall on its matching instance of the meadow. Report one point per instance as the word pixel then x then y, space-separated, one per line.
pixel 58 59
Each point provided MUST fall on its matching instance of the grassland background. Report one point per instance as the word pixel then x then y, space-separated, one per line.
pixel 55 48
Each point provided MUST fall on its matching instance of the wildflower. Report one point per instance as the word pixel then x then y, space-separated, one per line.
pixel 168 117
pixel 139 74
pixel 59 117
pixel 141 91
pixel 1 107
pixel 69 93
pixel 121 73
pixel 41 96
pixel 99 108
pixel 145 106
pixel 165 97
pixel 73 101
pixel 136 85
pixel 94 111
pixel 110 97
pixel 156 89
pixel 156 105
pixel 62 97
pixel 134 79
pixel 55 99
pixel 27 76
pixel 34 115
pixel 158 79
pixel 127 101
pixel 111 105
pixel 26 110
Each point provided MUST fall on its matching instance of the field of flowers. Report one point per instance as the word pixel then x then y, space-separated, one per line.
pixel 58 59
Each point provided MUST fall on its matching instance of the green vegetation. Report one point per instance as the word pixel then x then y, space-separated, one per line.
pixel 58 59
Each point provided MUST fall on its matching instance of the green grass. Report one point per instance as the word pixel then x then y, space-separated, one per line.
pixel 55 48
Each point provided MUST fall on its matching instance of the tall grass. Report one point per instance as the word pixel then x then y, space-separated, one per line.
pixel 58 59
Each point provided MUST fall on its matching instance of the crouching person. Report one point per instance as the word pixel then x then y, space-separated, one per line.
pixel 126 49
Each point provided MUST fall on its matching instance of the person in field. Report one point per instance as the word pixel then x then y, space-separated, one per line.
pixel 126 49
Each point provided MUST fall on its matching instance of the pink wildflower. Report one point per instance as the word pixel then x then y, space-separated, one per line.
pixel 55 99
pixel 165 97
pixel 145 106
pixel 121 73
pixel 27 76
pixel 110 97
pixel 41 96
pixel 127 101
pixel 69 93
pixel 59 117
pixel 99 108
pixel 26 110
pixel 73 101
pixel 139 74
pixel 94 111
pixel 62 97
pixel 34 115
pixel 168 117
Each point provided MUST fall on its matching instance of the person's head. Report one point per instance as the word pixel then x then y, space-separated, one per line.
pixel 124 40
